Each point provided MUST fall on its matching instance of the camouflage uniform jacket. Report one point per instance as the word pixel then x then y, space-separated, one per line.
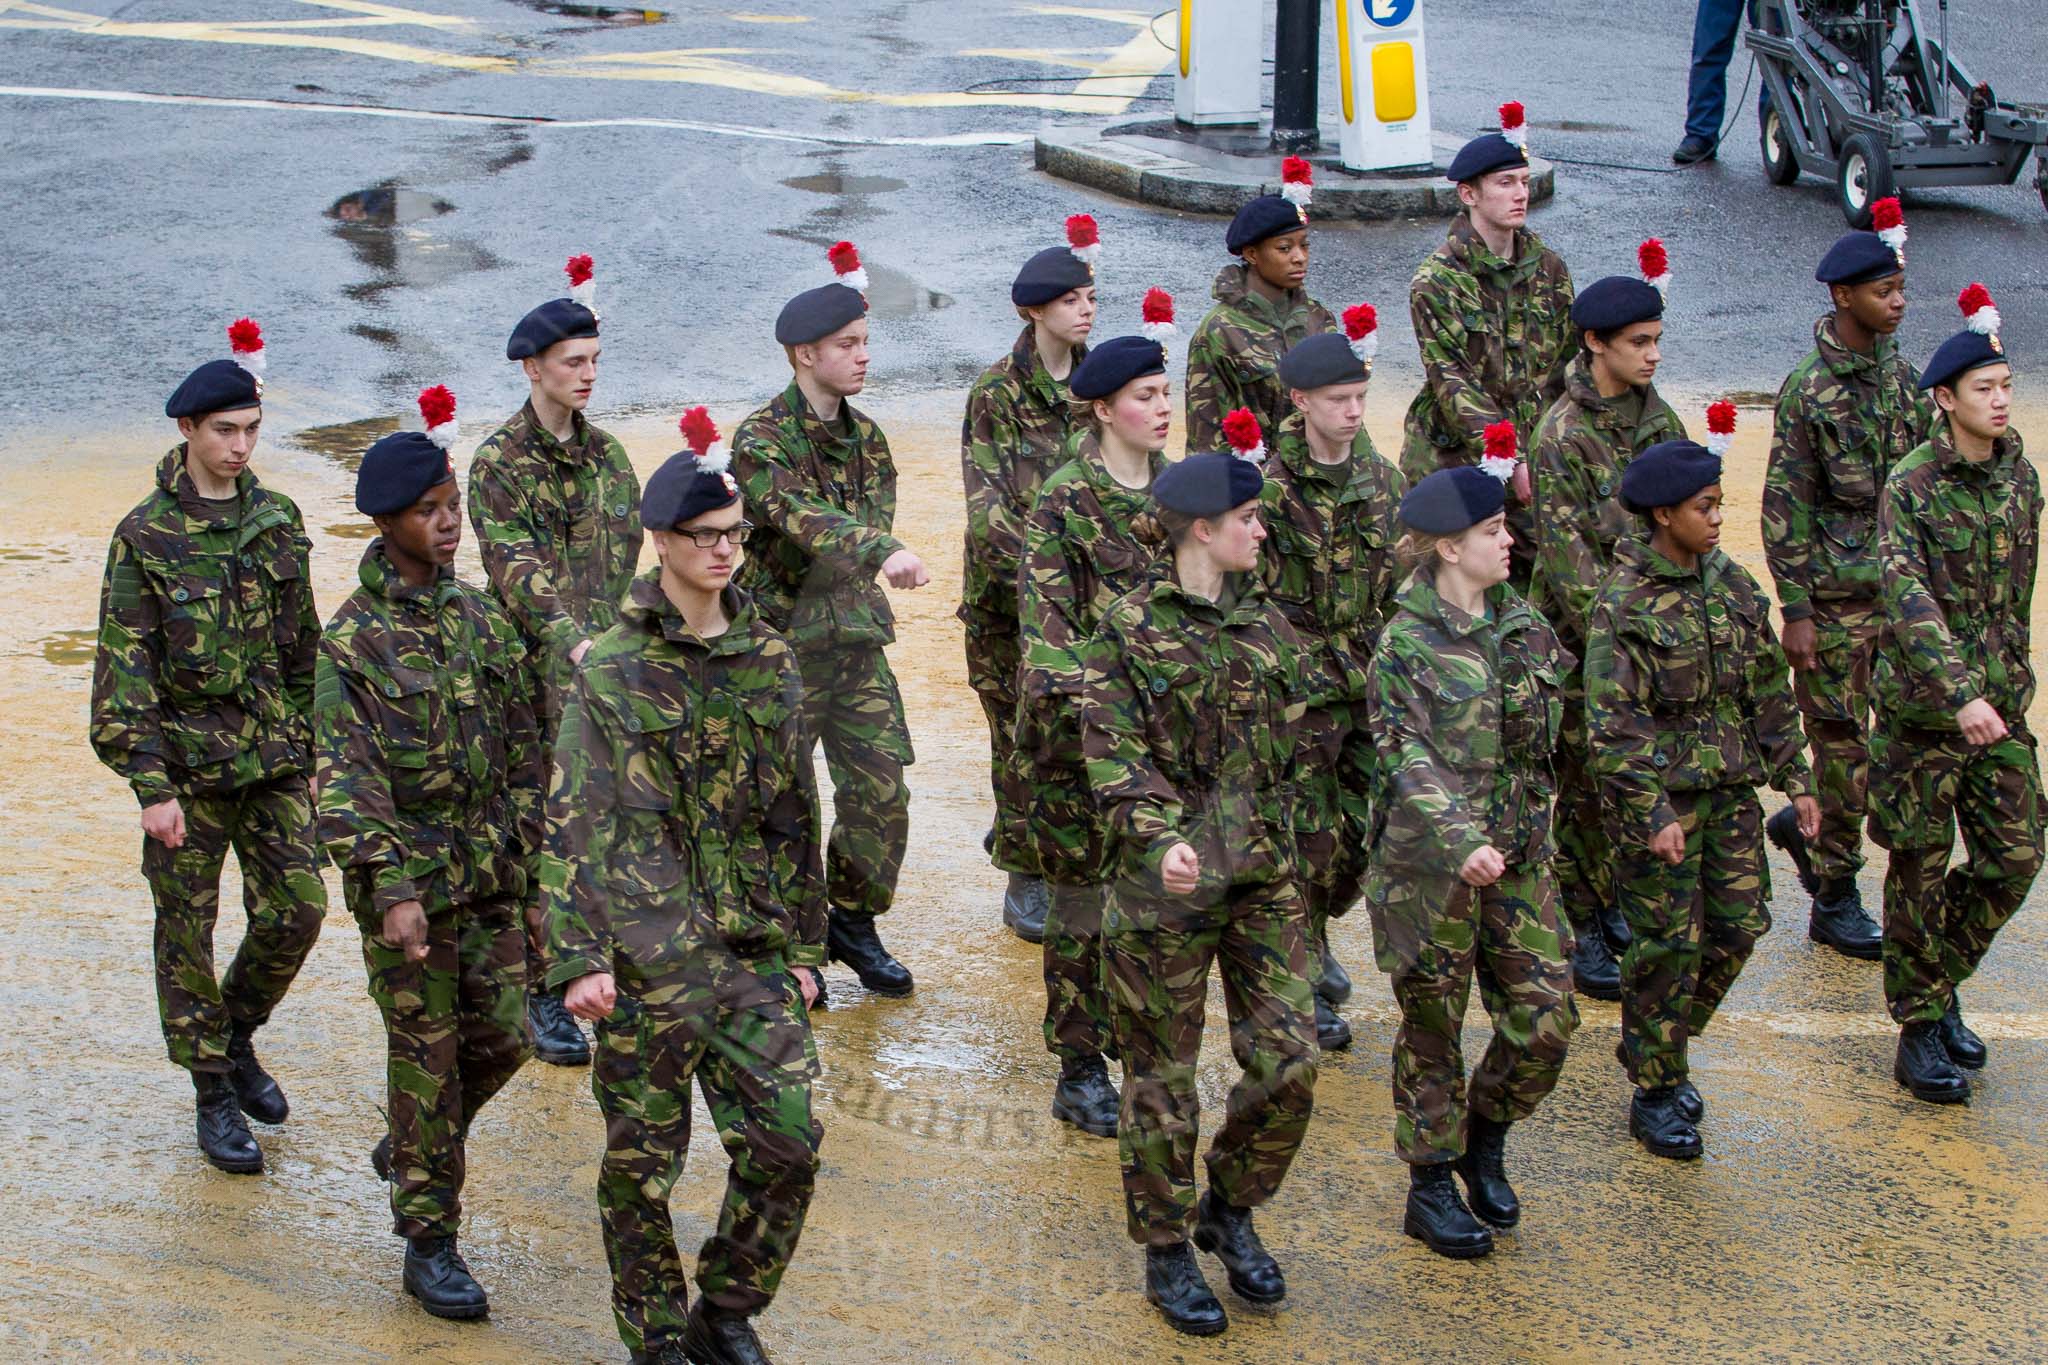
pixel 430 754
pixel 203 680
pixel 825 505
pixel 1960 543
pixel 1580 451
pixel 1329 564
pixel 1496 338
pixel 1844 419
pixel 1466 711
pixel 1234 356
pixel 1686 688
pixel 683 813
pixel 1189 730
pixel 558 526
pixel 1016 432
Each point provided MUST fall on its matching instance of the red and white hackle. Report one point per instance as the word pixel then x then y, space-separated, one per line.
pixel 845 259
pixel 1297 183
pixel 1083 239
pixel 1362 330
pixel 1157 316
pixel 437 410
pixel 1514 124
pixel 1720 426
pixel 701 435
pixel 245 344
pixel 582 281
pixel 1655 263
pixel 1241 429
pixel 1980 315
pixel 1500 458
pixel 1888 221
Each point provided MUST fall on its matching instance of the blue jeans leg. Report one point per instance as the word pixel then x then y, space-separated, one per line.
pixel 1714 27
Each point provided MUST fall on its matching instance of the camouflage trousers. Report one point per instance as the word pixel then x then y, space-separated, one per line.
pixel 1332 818
pixel 740 1029
pixel 1834 702
pixel 994 654
pixel 1077 1022
pixel 1432 934
pixel 852 705
pixel 1069 844
pixel 1695 925
pixel 270 826
pixel 1159 977
pixel 1584 863
pixel 455 1032
pixel 1939 921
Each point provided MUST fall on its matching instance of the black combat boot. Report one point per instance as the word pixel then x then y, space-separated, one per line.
pixel 1614 928
pixel 1085 1098
pixel 1839 921
pixel 1655 1120
pixel 712 1336
pixel 557 1038
pixel 1484 1167
pixel 438 1277
pixel 380 1158
pixel 255 1091
pixel 1174 1282
pixel 1783 828
pixel 852 939
pixel 1438 1218
pixel 1686 1096
pixel 223 1133
pixel 1963 1046
pixel 1332 1033
pixel 1594 970
pixel 1334 985
pixel 1923 1065
pixel 1025 903
pixel 1225 1232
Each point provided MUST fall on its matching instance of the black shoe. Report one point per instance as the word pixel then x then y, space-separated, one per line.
pixel 1085 1098
pixel 255 1091
pixel 1962 1045
pixel 1686 1096
pixel 1484 1167
pixel 1225 1232
pixel 1784 831
pixel 1438 1218
pixel 1334 985
pixel 1332 1033
pixel 1594 970
pixel 1655 1121
pixel 852 939
pixel 380 1158
pixel 1174 1282
pixel 1839 921
pixel 1923 1066
pixel 1614 928
pixel 1694 149
pixel 437 1276
pixel 1024 907
pixel 712 1336
pixel 223 1133
pixel 557 1037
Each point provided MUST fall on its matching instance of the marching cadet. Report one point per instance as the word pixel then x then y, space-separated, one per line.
pixel 430 804
pixel 1850 411
pixel 1609 412
pixel 821 487
pixel 1262 308
pixel 1959 538
pixel 1330 505
pixel 202 698
pixel 555 505
pixel 1018 423
pixel 687 916
pixel 1090 539
pixel 1688 711
pixel 1465 706
pixel 1492 313
pixel 1189 728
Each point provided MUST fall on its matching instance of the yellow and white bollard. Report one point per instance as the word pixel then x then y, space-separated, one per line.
pixel 1383 82
pixel 1216 75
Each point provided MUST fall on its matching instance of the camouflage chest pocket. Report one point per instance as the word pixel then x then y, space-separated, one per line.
pixel 1532 704
pixel 1849 456
pixel 1187 717
pixel 1299 557
pixel 1956 574
pixel 283 569
pixel 646 855
pixel 199 625
pixel 1462 707
pixel 1674 649
pixel 482 710
pixel 1117 564
pixel 409 721
pixel 1739 626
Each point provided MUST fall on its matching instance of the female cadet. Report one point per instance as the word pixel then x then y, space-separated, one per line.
pixel 1015 433
pixel 1089 539
pixel 1189 729
pixel 1688 709
pixel 1465 708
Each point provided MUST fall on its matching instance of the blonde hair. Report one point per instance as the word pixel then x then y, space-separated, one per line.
pixel 1417 548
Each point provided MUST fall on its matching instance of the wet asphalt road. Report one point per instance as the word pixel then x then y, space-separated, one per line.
pixel 955 1221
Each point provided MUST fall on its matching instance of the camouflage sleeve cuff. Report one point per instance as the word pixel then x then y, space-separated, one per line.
pixel 1795 781
pixel 391 887
pixel 1794 608
pixel 805 955
pixel 879 550
pixel 151 790
pixel 571 968
pixel 564 633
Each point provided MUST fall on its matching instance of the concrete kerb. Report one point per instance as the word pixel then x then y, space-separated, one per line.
pixel 1154 162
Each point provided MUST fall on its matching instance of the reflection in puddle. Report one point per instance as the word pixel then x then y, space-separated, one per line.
pixel 344 442
pixel 352 530
pixel 832 182
pixel 1752 398
pixel 70 648
pixel 603 14
pixel 891 293
pixel 388 204
pixel 27 554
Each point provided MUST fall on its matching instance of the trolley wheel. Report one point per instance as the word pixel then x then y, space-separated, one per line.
pixel 1780 166
pixel 1862 177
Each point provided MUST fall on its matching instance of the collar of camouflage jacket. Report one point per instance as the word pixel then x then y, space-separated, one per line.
pixel 1470 251
pixel 1507 611
pixel 648 607
pixel 1602 410
pixel 2005 452
pixel 1094 469
pixel 1029 368
pixel 381 576
pixel 1233 289
pixel 1244 591
pixel 569 451
pixel 1708 573
pixel 832 444
pixel 1290 450
pixel 1853 364
pixel 252 516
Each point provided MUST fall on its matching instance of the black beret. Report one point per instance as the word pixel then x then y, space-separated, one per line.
pixel 216 386
pixel 1266 216
pixel 1616 301
pixel 683 490
pixel 1858 258
pixel 397 470
pixel 1046 276
pixel 1207 485
pixel 1667 474
pixel 1115 363
pixel 817 313
pixel 1961 353
pixel 1483 155
pixel 1320 361
pixel 556 320
pixel 1453 500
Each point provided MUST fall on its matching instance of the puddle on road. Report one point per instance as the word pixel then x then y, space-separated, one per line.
pixel 344 442
pixel 602 14
pixel 388 204
pixel 832 182
pixel 891 293
pixel 352 530
pixel 70 648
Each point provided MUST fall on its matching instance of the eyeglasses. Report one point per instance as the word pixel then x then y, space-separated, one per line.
pixel 705 539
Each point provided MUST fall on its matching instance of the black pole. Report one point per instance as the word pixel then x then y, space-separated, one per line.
pixel 1294 75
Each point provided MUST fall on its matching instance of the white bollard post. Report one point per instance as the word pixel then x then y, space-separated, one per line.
pixel 1383 85
pixel 1216 74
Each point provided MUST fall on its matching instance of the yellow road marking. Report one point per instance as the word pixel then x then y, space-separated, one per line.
pixel 259 34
